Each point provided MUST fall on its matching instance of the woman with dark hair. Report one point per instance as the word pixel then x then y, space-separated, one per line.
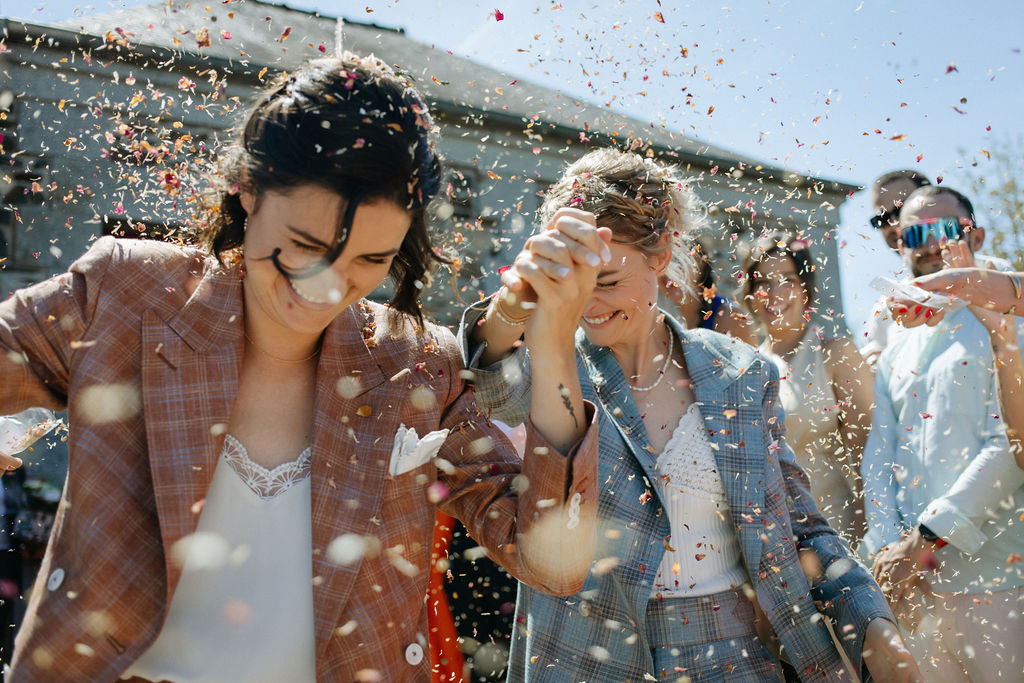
pixel 256 451
pixel 704 518
pixel 826 389
pixel 701 306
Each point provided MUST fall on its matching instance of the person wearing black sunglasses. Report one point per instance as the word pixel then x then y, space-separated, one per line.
pixel 888 193
pixel 938 469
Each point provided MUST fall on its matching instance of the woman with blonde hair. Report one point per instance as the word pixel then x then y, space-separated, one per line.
pixel 703 512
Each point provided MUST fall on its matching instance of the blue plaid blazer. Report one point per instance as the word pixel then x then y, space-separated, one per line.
pixel 599 634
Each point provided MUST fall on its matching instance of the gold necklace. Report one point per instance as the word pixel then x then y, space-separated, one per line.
pixel 281 360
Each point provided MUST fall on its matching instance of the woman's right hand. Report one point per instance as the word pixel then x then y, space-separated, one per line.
pixel 556 272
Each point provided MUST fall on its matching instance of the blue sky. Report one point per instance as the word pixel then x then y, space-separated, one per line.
pixel 802 85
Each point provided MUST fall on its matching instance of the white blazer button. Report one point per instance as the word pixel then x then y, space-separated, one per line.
pixel 55 580
pixel 414 654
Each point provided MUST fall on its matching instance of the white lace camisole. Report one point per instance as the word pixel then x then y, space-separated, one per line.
pixel 703 553
pixel 243 610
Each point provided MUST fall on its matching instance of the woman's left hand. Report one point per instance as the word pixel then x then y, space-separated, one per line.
pixel 887 656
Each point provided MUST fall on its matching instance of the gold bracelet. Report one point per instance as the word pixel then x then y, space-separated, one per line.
pixel 511 322
pixel 502 318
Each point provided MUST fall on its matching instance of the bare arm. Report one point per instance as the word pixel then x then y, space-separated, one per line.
pixel 1009 375
pixel 991 289
pixel 984 288
pixel 854 383
pixel 554 275
pixel 1002 333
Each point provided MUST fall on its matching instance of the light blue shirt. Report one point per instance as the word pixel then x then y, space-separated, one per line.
pixel 938 454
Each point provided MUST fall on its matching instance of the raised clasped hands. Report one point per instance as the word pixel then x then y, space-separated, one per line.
pixel 554 275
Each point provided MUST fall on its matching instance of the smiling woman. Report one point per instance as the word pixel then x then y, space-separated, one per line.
pixel 293 286
pixel 826 387
pixel 705 518
pixel 254 501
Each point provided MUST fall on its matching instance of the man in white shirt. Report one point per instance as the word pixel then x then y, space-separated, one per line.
pixel 888 193
pixel 943 495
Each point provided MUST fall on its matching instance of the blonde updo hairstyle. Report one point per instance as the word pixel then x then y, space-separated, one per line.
pixel 640 199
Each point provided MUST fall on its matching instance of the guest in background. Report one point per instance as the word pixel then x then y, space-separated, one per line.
pixel 943 492
pixel 888 193
pixel 701 306
pixel 995 299
pixel 826 388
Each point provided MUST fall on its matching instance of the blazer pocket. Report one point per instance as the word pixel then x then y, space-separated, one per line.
pixel 410 451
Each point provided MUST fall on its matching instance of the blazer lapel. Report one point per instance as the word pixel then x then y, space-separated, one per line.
pixel 731 408
pixel 613 392
pixel 190 359
pixel 347 479
pixel 730 405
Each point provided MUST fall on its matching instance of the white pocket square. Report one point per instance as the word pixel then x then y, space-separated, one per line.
pixel 410 451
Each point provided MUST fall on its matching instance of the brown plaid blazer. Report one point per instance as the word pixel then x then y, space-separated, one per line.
pixel 147 367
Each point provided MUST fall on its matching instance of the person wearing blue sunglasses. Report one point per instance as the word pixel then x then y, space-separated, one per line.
pixel 939 215
pixel 995 298
pixel 938 469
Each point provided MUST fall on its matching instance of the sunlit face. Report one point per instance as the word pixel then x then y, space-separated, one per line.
pixel 625 299
pixel 928 258
pixel 778 297
pixel 301 223
pixel 888 202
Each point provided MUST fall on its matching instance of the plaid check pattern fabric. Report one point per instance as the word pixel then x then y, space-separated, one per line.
pixel 142 342
pixel 683 631
pixel 599 634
